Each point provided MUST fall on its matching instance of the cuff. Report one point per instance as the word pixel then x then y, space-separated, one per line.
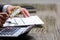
pixel 5 8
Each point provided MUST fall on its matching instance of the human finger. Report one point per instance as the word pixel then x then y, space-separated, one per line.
pixel 25 12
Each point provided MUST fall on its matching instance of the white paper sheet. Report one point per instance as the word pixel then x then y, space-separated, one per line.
pixel 32 20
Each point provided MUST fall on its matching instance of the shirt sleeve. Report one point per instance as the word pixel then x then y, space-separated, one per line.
pixel 5 8
pixel 1 8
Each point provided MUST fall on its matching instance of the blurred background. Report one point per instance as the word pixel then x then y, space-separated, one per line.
pixel 48 11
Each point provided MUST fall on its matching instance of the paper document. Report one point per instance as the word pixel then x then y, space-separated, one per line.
pixel 17 21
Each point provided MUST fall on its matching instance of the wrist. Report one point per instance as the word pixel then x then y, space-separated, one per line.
pixel 5 8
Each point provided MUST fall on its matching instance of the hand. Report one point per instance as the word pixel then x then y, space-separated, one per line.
pixel 3 18
pixel 23 11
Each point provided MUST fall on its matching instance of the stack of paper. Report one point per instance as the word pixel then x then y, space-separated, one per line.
pixel 32 20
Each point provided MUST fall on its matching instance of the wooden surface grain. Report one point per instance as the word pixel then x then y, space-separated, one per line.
pixel 50 30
